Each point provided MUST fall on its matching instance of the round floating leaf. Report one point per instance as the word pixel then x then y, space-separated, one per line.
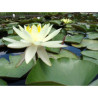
pixel 95 83
pixel 57 22
pixel 10 31
pixel 93 54
pixel 9 69
pixel 64 53
pixel 92 35
pixel 80 27
pixel 90 59
pixel 64 71
pixel 2 82
pixel 93 46
pixel 54 50
pixel 12 24
pixel 74 38
pixel 1 42
pixel 90 44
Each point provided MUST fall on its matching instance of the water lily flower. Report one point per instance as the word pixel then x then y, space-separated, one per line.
pixel 66 21
pixel 35 38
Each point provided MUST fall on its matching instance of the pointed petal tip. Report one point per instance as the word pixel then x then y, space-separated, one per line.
pixel 13 27
pixel 59 28
pixel 50 64
pixel 4 38
pixel 27 62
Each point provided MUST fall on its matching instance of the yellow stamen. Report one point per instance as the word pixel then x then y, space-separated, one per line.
pixel 39 28
pixel 29 29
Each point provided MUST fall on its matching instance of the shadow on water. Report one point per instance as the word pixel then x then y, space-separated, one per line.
pixel 5 52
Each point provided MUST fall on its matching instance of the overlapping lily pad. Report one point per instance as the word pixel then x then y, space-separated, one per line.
pixel 80 27
pixel 90 44
pixel 64 53
pixel 74 38
pixel 95 83
pixel 93 54
pixel 63 71
pixel 2 82
pixel 12 24
pixel 9 69
pixel 93 35
pixel 57 22
pixel 90 59
pixel 1 43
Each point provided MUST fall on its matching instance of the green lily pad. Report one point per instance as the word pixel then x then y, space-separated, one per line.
pixel 93 54
pixel 95 83
pixel 74 38
pixel 90 59
pixel 93 35
pixel 1 42
pixel 9 69
pixel 64 53
pixel 53 50
pixel 93 46
pixel 57 22
pixel 64 71
pixel 2 82
pixel 12 24
pixel 80 27
pixel 90 44
pixel 10 31
pixel 60 37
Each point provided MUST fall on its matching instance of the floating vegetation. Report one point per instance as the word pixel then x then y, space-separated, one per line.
pixel 76 64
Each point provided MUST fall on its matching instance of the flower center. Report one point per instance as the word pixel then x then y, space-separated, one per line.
pixel 34 32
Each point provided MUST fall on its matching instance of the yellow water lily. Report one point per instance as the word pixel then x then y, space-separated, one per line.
pixel 66 21
pixel 35 38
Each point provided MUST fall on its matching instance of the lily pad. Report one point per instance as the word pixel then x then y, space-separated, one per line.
pixel 95 83
pixel 64 71
pixel 74 39
pixel 93 54
pixel 93 35
pixel 53 50
pixel 64 53
pixel 80 27
pixel 2 82
pixel 90 59
pixel 57 22
pixel 1 42
pixel 9 69
pixel 90 44
pixel 12 24
pixel 10 31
